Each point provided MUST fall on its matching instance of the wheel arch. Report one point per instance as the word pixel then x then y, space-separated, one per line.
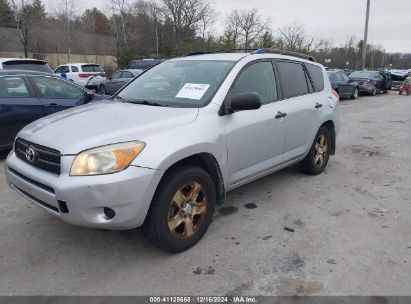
pixel 209 163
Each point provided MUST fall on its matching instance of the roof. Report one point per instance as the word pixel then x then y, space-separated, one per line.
pixel 76 63
pixel 20 59
pixel 215 56
pixel 23 72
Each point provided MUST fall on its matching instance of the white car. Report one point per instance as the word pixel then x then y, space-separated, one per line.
pixel 164 150
pixel 25 64
pixel 85 74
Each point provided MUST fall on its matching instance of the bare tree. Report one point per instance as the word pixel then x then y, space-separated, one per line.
pixel 28 15
pixel 293 36
pixel 207 19
pixel 122 9
pixel 66 11
pixel 184 16
pixel 248 25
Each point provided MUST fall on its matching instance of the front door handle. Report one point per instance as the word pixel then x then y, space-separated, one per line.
pixel 280 115
pixel 318 106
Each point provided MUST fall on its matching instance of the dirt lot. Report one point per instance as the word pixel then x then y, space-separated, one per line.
pixel 349 230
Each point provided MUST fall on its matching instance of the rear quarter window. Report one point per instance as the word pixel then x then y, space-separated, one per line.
pixel 293 79
pixel 317 77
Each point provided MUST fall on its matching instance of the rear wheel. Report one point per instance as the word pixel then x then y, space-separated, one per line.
pixel 317 159
pixel 181 209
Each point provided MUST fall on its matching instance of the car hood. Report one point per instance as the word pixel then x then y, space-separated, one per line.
pixel 102 123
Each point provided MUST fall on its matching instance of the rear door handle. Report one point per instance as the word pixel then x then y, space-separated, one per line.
pixel 280 115
pixel 318 106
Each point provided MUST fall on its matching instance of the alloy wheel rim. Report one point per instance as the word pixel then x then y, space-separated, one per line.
pixel 356 93
pixel 187 210
pixel 321 150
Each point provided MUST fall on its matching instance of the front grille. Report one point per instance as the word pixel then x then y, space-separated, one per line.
pixel 45 158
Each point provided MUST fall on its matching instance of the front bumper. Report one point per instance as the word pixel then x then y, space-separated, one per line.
pixel 128 193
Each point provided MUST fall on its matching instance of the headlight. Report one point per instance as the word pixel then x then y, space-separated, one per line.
pixel 106 159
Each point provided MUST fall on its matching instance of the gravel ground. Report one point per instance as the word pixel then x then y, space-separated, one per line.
pixel 345 232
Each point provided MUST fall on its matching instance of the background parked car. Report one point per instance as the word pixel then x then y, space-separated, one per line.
pixel 342 84
pixel 29 95
pixel 25 64
pixel 398 78
pixel 143 64
pixel 84 74
pixel 117 80
pixel 371 82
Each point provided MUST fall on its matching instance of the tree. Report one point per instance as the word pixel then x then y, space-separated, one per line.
pixel 66 12
pixel 95 21
pixel 6 13
pixel 266 40
pixel 248 25
pixel 292 36
pixel 28 15
pixel 184 16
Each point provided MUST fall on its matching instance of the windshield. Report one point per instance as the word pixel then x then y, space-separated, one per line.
pixel 183 83
pixel 92 68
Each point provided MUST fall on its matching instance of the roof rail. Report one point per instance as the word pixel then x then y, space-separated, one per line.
pixel 256 51
pixel 283 52
pixel 219 51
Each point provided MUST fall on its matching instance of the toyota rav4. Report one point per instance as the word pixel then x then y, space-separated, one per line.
pixel 164 150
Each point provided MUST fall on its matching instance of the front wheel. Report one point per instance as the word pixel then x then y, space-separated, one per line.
pixel 356 94
pixel 181 210
pixel 317 159
pixel 374 92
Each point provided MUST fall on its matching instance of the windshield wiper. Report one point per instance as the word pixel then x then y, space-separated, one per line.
pixel 147 103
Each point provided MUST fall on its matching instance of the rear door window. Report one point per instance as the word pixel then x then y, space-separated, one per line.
pixel 317 76
pixel 293 79
pixel 257 78
pixel 13 87
pixel 127 75
pixel 74 69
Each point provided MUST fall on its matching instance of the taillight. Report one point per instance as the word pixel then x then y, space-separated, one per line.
pixel 85 75
pixel 335 94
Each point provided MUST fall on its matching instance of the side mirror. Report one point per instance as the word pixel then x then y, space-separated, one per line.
pixel 244 102
pixel 88 96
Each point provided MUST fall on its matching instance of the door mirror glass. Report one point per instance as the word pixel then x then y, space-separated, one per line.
pixel 245 102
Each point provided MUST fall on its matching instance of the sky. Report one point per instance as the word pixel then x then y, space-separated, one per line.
pixel 336 20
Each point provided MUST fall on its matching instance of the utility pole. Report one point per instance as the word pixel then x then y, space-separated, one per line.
pixel 364 47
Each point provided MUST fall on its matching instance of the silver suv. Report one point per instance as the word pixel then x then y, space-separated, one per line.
pixel 166 148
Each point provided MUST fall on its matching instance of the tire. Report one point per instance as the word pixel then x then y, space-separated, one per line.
pixel 385 92
pixel 374 93
pixel 400 92
pixel 310 164
pixel 174 223
pixel 102 90
pixel 356 94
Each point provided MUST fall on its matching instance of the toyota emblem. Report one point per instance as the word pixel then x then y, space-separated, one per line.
pixel 31 154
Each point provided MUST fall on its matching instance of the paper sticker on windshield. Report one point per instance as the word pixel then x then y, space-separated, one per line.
pixel 193 91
